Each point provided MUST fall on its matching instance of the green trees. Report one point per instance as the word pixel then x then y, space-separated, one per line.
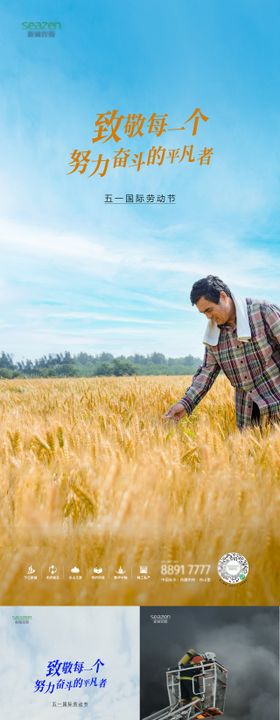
pixel 105 364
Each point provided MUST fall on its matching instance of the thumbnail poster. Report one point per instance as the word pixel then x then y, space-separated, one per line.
pixel 69 662
pixel 140 313
pixel 206 662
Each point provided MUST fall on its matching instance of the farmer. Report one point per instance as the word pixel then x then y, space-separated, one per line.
pixel 242 338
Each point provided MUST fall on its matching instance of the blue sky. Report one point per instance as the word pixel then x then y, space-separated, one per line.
pixel 81 634
pixel 79 275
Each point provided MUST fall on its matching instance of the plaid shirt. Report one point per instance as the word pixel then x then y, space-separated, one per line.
pixel 252 367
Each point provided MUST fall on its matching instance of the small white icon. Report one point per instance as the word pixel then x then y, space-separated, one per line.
pixel 75 570
pixel 52 570
pixel 143 569
pixel 30 570
pixel 98 570
pixel 120 571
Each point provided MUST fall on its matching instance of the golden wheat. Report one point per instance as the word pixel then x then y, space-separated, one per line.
pixel 91 474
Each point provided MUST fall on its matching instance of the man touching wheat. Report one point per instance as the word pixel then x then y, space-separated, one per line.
pixel 242 338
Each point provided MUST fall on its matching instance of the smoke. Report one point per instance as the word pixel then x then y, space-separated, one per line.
pixel 245 640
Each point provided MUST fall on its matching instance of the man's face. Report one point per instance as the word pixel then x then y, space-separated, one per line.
pixel 220 312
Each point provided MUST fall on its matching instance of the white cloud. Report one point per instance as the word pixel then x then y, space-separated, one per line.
pixel 79 272
pixel 82 315
pixel 209 251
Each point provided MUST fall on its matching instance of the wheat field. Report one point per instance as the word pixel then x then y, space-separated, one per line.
pixel 91 474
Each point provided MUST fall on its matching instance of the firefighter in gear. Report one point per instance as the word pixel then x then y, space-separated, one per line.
pixel 187 671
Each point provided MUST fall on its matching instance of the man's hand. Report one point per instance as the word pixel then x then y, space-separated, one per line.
pixel 176 412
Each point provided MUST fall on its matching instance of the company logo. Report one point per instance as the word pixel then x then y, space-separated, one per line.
pixel 41 29
pixel 22 619
pixel 160 618
pixel 233 568
pixel 43 25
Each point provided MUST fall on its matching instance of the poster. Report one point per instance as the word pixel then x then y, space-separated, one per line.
pixel 69 662
pixel 139 154
pixel 241 669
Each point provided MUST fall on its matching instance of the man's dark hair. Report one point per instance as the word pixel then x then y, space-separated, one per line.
pixel 210 288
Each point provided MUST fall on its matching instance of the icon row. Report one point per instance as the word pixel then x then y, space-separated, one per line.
pixel 57 572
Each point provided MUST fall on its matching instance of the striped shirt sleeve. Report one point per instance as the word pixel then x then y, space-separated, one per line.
pixel 202 381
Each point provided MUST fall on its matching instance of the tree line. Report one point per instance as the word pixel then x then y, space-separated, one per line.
pixel 85 365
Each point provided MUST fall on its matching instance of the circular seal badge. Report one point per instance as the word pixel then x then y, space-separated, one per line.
pixel 233 568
